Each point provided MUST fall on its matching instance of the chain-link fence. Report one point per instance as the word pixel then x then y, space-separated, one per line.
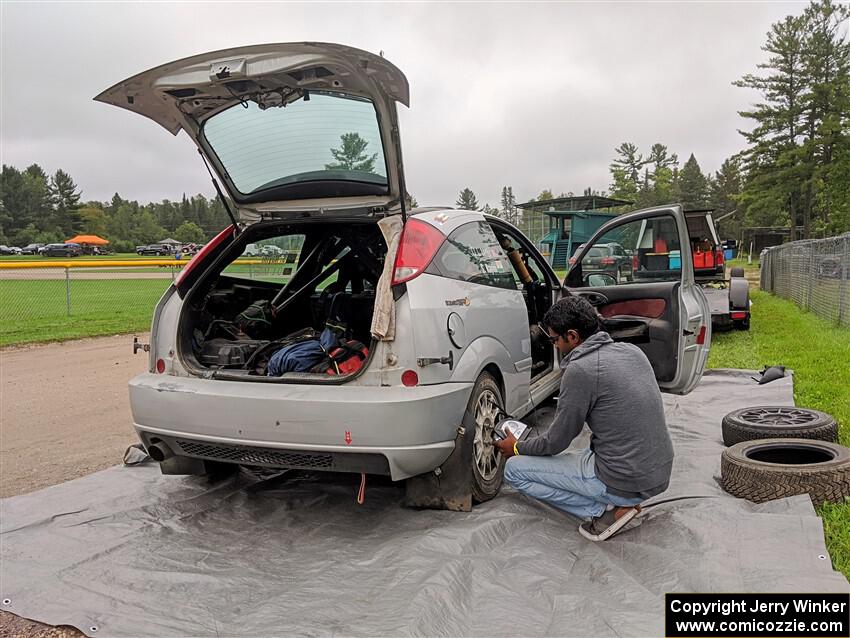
pixel 40 301
pixel 814 273
pixel 56 302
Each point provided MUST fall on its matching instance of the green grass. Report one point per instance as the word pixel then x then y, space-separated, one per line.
pixel 782 334
pixel 34 311
pixel 818 353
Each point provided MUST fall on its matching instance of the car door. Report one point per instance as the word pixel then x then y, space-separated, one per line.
pixel 467 305
pixel 659 308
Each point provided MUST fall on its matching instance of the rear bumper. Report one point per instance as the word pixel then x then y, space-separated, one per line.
pixel 351 427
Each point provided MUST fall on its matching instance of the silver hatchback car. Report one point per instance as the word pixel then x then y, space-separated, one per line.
pixel 432 314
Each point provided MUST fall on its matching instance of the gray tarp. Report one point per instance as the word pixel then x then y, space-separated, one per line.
pixel 132 553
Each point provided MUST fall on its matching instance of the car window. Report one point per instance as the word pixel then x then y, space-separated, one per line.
pixel 648 250
pixel 472 253
pixel 597 252
pixel 530 259
pixel 272 259
pixel 329 136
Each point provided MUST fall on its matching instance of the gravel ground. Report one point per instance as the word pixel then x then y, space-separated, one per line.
pixel 64 413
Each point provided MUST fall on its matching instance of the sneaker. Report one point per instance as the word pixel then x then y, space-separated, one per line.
pixel 609 523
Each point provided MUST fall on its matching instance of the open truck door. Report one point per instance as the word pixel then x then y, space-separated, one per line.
pixel 651 300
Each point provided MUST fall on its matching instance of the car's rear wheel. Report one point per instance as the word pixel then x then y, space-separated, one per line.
pixel 482 413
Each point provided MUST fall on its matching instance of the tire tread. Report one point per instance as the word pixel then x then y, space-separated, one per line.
pixel 751 480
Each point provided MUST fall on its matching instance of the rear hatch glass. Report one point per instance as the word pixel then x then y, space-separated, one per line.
pixel 325 137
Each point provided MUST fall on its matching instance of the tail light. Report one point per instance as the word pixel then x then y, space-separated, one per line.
pixel 210 246
pixel 701 336
pixel 634 262
pixel 738 315
pixel 419 243
pixel 608 261
pixel 718 260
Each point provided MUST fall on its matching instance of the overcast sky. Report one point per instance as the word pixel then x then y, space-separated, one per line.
pixel 530 95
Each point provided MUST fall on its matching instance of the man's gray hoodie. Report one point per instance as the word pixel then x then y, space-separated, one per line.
pixel 612 387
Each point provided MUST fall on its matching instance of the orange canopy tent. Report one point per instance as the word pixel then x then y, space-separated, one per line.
pixel 91 240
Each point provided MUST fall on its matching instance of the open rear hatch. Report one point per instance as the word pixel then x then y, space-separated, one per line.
pixel 287 128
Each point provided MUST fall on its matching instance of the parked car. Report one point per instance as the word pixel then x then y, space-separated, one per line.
pixel 31 249
pixel 467 290
pixel 62 250
pixel 271 251
pixel 609 259
pixel 155 249
pixel 9 250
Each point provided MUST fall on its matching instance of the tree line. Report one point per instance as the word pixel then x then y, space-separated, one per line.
pixel 794 171
pixel 39 208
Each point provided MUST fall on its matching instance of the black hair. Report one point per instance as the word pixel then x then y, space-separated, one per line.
pixel 572 313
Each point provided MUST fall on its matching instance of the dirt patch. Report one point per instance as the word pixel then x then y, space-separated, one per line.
pixel 64 413
pixel 64 410
pixel 11 625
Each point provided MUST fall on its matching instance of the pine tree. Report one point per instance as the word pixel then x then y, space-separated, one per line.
pixel 351 155
pixel 66 200
pixel 725 190
pixel 467 200
pixel 770 159
pixel 625 172
pixel 509 208
pixel 826 109
pixel 693 186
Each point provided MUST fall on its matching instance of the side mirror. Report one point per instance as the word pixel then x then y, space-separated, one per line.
pixel 597 280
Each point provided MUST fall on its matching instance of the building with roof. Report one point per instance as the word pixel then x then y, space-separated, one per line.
pixel 572 221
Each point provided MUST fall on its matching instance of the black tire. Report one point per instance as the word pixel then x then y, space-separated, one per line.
pixel 770 422
pixel 487 468
pixel 736 272
pixel 741 324
pixel 768 469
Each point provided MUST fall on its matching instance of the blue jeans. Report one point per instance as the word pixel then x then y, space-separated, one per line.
pixel 567 481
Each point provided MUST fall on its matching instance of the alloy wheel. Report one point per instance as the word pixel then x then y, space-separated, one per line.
pixel 486 415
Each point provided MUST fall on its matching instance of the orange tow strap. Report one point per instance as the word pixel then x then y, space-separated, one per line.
pixel 361 493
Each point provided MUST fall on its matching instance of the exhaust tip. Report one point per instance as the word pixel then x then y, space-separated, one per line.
pixel 159 452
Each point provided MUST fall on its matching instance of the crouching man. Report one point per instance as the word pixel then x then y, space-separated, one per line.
pixel 611 387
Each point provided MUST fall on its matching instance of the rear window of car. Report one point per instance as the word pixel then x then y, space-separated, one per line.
pixel 328 137
pixel 597 252
pixel 472 253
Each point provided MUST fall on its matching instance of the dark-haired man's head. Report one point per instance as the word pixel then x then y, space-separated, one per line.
pixel 570 321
